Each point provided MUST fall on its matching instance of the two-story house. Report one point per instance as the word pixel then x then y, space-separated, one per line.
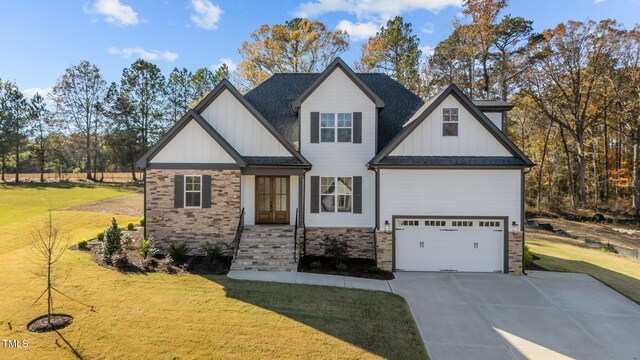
pixel 414 185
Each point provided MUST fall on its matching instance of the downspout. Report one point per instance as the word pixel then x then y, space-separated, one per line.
pixel 522 217
pixel 144 211
pixel 302 199
pixel 377 215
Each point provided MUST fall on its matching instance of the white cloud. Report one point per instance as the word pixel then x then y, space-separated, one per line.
pixel 598 1
pixel 230 64
pixel 367 9
pixel 358 31
pixel 44 92
pixel 206 15
pixel 144 54
pixel 428 28
pixel 427 50
pixel 114 12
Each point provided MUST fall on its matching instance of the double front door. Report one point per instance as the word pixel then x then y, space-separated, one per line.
pixel 272 199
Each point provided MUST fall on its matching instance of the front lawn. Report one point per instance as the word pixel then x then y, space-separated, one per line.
pixel 557 254
pixel 184 316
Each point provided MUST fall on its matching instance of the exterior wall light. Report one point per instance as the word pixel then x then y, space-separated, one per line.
pixel 514 226
pixel 387 226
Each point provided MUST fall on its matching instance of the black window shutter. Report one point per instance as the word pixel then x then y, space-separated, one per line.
pixel 315 194
pixel 357 194
pixel 178 187
pixel 206 191
pixel 357 128
pixel 315 127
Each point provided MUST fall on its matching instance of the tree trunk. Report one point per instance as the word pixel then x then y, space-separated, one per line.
pixel 41 158
pixel 133 172
pixel 541 167
pixel 3 165
pixel 606 158
pixel 569 169
pixel 17 151
pixel 581 170
pixel 88 154
pixel 636 174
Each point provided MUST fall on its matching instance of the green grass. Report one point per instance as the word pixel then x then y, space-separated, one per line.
pixel 557 254
pixel 183 316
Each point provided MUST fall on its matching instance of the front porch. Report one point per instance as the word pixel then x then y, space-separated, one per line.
pixel 270 197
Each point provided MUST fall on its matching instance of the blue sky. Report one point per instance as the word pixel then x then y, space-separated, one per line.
pixel 40 38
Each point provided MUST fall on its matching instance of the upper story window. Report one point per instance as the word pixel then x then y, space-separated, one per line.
pixel 192 191
pixel 336 194
pixel 450 122
pixel 332 130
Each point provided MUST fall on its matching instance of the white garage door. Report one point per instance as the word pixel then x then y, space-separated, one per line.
pixel 472 245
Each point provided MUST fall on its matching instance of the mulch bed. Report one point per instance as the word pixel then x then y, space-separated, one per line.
pixel 42 324
pixel 355 268
pixel 129 261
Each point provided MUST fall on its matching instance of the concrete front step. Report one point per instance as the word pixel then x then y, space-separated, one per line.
pixel 265 268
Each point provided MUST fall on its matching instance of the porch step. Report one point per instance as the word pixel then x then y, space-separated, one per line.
pixel 266 248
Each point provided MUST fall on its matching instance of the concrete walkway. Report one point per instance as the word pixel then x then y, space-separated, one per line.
pixel 312 279
pixel 544 315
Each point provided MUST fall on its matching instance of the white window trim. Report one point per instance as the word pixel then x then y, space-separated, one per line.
pixel 192 191
pixel 335 128
pixel 335 195
pixel 456 121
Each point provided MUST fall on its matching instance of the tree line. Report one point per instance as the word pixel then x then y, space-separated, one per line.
pixel 93 126
pixel 575 87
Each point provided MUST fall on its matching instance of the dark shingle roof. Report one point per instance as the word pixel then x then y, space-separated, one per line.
pixel 273 99
pixel 272 160
pixel 491 104
pixel 453 160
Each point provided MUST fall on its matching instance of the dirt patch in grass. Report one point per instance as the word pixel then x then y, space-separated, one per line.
pixel 132 205
pixel 42 323
pixel 362 268
pixel 621 235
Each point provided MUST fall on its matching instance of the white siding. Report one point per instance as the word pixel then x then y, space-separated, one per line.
pixel 450 192
pixel 240 128
pixel 339 94
pixel 193 145
pixel 496 118
pixel 248 198
pixel 472 140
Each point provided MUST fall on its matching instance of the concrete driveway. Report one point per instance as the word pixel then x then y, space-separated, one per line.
pixel 541 316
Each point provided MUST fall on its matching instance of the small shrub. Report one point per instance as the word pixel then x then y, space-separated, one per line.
pixel 100 236
pixel 83 244
pixel 120 260
pixel 213 251
pixel 528 257
pixel 609 248
pixel 142 222
pixel 112 243
pixel 178 252
pixel 130 226
pixel 315 265
pixel 147 247
pixel 341 267
pixel 127 242
pixel 166 265
pixel 336 248
pixel 375 270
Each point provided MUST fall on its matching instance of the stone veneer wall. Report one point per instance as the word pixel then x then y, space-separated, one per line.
pixel 360 240
pixel 193 226
pixel 384 248
pixel 515 253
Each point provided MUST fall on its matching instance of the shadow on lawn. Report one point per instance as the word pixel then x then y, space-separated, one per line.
pixel 377 322
pixel 623 284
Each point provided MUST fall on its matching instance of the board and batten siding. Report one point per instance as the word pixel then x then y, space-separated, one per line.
pixel 193 145
pixel 339 94
pixel 450 193
pixel 248 198
pixel 473 138
pixel 240 128
pixel 495 117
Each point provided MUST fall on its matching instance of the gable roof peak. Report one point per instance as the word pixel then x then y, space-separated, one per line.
pixel 337 63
